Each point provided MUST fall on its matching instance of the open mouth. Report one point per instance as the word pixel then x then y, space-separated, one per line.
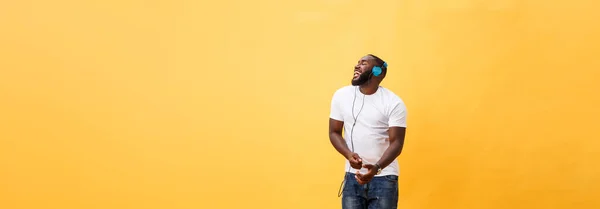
pixel 356 74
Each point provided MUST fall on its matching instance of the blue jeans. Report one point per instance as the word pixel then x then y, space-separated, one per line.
pixel 380 193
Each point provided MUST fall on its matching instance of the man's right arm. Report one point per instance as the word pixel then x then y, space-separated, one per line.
pixel 336 124
pixel 335 136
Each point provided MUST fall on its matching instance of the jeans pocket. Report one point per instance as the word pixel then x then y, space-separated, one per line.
pixel 391 178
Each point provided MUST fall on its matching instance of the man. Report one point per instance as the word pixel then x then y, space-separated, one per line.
pixel 374 122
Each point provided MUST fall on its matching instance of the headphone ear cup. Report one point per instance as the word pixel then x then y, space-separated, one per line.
pixel 376 71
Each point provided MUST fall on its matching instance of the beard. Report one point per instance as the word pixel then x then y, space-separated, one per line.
pixel 362 79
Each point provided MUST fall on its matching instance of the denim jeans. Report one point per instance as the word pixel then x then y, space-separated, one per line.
pixel 380 193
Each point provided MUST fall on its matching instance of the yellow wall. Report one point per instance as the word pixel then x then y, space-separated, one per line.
pixel 115 104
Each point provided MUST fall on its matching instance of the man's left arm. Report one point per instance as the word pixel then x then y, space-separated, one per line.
pixel 397 133
pixel 396 144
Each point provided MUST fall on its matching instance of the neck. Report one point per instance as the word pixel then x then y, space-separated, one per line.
pixel 369 88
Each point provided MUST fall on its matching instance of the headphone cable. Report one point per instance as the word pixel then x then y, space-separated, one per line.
pixel 340 191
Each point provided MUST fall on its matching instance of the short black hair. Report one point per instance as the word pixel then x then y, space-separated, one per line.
pixel 379 62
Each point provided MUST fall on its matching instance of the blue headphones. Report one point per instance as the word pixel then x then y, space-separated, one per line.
pixel 377 70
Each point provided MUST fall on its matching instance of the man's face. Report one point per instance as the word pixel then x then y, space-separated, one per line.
pixel 362 70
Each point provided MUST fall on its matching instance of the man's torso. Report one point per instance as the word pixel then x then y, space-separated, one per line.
pixel 369 137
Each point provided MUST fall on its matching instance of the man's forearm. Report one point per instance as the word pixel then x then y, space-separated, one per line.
pixel 339 144
pixel 391 153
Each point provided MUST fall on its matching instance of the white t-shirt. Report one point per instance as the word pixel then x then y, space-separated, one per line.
pixel 380 110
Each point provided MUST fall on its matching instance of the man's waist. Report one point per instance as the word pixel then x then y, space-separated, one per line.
pixel 392 168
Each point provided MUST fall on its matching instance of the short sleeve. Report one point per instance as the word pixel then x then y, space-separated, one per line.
pixel 398 115
pixel 335 111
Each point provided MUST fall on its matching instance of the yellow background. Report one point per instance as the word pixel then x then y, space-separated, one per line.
pixel 224 104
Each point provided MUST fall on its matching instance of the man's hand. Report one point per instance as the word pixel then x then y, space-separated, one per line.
pixel 365 178
pixel 355 160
